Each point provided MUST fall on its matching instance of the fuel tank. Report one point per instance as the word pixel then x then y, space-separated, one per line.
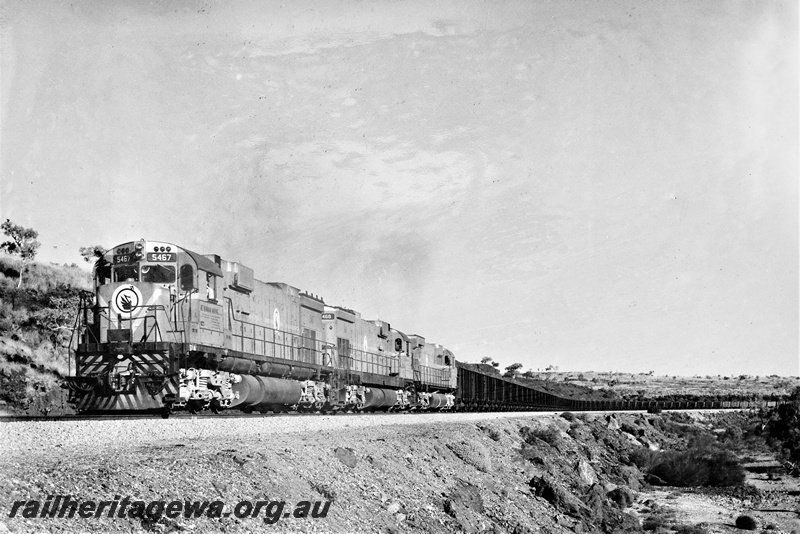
pixel 380 398
pixel 437 400
pixel 239 366
pixel 263 392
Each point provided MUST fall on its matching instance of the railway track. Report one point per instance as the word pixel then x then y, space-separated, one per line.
pixel 123 417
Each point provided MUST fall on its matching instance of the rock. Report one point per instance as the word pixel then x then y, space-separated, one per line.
pixel 394 508
pixel 633 430
pixel 536 460
pixel 561 499
pixel 565 521
pixel 474 454
pixel 464 504
pixel 543 437
pixel 595 500
pixel 346 456
pixel 581 433
pixel 632 440
pixel 521 529
pixel 653 446
pixel 745 522
pixel 631 477
pixel 613 423
pixel 561 424
pixel 377 463
pixel 622 497
pixel 616 521
pixel 654 480
pixel 468 495
pixel 586 473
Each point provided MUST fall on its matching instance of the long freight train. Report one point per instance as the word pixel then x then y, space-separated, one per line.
pixel 167 328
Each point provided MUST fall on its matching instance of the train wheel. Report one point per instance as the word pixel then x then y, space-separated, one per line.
pixel 166 411
pixel 194 407
pixel 214 406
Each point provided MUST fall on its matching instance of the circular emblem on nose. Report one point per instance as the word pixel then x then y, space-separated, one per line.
pixel 126 300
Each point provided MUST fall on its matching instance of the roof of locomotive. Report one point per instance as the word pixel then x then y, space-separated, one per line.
pixel 204 263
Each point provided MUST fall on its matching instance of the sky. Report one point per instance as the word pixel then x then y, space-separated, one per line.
pixel 606 186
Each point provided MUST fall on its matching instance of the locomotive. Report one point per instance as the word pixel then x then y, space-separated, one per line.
pixel 167 328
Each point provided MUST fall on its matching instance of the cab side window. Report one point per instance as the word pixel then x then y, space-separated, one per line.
pixel 398 345
pixel 211 284
pixel 187 277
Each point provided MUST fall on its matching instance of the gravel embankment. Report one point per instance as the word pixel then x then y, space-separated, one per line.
pixel 44 437
pixel 430 473
pixel 506 473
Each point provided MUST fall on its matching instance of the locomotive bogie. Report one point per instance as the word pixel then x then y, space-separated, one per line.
pixel 314 395
pixel 205 386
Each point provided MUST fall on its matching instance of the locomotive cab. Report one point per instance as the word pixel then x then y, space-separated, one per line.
pixel 140 286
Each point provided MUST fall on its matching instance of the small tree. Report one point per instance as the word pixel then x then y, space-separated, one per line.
pixel 784 427
pixel 92 253
pixel 486 359
pixel 23 242
pixel 512 370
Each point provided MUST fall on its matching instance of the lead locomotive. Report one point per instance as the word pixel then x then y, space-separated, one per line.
pixel 167 328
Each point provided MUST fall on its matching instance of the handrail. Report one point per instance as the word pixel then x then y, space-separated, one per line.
pixel 371 362
pixel 265 341
pixel 151 326
pixel 298 349
pixel 434 375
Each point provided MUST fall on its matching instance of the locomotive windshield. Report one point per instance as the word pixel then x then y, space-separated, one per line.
pixel 158 274
pixel 126 273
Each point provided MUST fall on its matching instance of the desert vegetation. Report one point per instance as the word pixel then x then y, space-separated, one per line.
pixel 36 319
pixel 783 431
pixel 705 462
